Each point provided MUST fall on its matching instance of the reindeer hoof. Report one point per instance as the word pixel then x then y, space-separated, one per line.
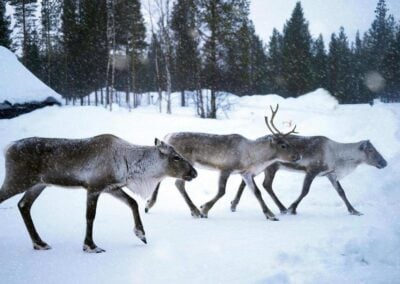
pixel 356 213
pixel 272 218
pixel 41 246
pixel 140 234
pixel 146 210
pixel 95 249
pixel 196 213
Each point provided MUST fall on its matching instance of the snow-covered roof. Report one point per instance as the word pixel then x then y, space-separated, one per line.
pixel 18 84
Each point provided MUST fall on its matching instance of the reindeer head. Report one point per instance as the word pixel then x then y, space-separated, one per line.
pixel 177 166
pixel 284 150
pixel 371 155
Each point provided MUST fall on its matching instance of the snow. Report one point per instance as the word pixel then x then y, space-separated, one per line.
pixel 18 84
pixel 322 244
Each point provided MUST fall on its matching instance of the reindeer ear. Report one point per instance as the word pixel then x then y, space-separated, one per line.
pixel 272 139
pixel 162 147
pixel 364 145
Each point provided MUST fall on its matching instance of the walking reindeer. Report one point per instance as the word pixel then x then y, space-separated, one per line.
pixel 229 154
pixel 321 156
pixel 103 163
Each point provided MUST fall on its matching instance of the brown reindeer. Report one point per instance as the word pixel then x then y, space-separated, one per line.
pixel 229 154
pixel 103 163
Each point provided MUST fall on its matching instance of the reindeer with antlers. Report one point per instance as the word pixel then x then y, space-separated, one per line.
pixel 320 156
pixel 230 154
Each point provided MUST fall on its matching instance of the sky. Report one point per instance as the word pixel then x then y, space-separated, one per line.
pixel 324 16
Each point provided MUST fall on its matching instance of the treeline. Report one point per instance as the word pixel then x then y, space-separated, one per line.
pixel 78 47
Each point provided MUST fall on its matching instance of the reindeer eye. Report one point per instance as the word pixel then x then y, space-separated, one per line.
pixel 177 158
pixel 283 146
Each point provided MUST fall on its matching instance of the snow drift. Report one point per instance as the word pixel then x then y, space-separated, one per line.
pixel 18 84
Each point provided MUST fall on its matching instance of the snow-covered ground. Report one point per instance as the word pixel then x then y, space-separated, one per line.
pixel 18 84
pixel 322 244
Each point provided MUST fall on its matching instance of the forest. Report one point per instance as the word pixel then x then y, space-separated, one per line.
pixel 82 47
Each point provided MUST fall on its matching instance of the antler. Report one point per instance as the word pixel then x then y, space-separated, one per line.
pixel 273 128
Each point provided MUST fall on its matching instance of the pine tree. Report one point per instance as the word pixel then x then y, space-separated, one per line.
pixel 187 67
pixel 376 45
pixel 94 47
pixel 70 46
pixel 130 33
pixel 5 32
pixel 24 14
pixel 50 10
pixel 31 56
pixel 275 63
pixel 212 12
pixel 297 60
pixel 340 70
pixel 391 68
pixel 319 64
pixel 258 65
pixel 360 93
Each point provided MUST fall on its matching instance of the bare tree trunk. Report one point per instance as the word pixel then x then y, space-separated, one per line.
pixel 158 75
pixel 111 47
pixel 183 100
pixel 96 98
pixel 167 46
pixel 128 81
pixel 101 96
pixel 213 99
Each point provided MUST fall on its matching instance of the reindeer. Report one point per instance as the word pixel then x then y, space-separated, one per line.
pixel 321 156
pixel 229 154
pixel 103 163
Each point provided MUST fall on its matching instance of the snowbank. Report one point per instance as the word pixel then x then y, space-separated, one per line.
pixel 18 84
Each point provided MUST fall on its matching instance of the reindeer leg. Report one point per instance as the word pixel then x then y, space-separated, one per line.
pixel 180 184
pixel 91 206
pixel 223 178
pixel 269 174
pixel 150 203
pixel 306 188
pixel 238 195
pixel 342 195
pixel 121 195
pixel 249 180
pixel 24 206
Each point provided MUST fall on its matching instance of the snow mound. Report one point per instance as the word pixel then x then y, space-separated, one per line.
pixel 18 84
pixel 319 100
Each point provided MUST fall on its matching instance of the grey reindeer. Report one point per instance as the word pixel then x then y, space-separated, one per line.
pixel 321 156
pixel 103 163
pixel 229 154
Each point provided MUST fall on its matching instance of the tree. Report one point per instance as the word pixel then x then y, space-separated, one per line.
pixel 376 44
pixel 130 33
pixel 184 24
pixel 275 63
pixel 297 60
pixel 164 25
pixel 5 32
pixel 24 14
pixel 340 73
pixel 31 56
pixel 391 68
pixel 50 10
pixel 319 64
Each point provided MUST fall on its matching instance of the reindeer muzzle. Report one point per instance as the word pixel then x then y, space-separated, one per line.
pixel 295 157
pixel 382 164
pixel 190 175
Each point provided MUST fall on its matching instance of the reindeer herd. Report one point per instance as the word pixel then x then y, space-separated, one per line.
pixel 106 163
